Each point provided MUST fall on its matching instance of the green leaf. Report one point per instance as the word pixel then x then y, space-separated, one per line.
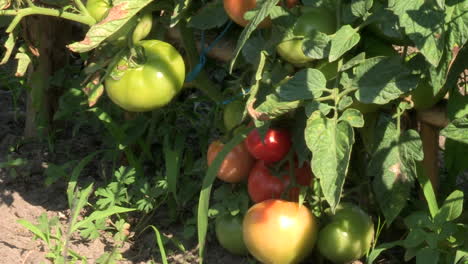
pixel 456 161
pixel 451 209
pixel 382 79
pixel 343 40
pixel 353 117
pixel 263 12
pixel 330 143
pixel 457 105
pixel 457 130
pixel 316 45
pixel 121 13
pixel 97 215
pixel 180 7
pixel 427 256
pixel 345 102
pixel 360 8
pixel 306 84
pixel 9 46
pixel 23 63
pixel 274 107
pixel 393 166
pixel 379 249
pixel 173 158
pixel 312 106
pixel 424 25
pixel 157 235
pixel 34 229
pixel 211 15
pixel 461 256
pixel 356 60
pixel 415 238
pixel 210 176
pixel 75 174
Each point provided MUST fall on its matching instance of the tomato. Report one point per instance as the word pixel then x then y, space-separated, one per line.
pixel 232 115
pixel 139 24
pixel 423 96
pixel 236 10
pixel 236 165
pixel 348 236
pixel 319 19
pixel 272 148
pixel 151 84
pixel 228 230
pixel 277 231
pixel 262 185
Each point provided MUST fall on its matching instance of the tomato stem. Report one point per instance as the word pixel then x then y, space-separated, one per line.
pixel 36 10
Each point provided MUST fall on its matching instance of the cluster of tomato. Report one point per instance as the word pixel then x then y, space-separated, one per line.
pixel 277 229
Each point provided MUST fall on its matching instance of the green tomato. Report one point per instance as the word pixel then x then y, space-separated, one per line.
pixel 229 234
pixel 149 85
pixel 423 96
pixel 232 115
pixel 348 236
pixel 319 19
pixel 139 24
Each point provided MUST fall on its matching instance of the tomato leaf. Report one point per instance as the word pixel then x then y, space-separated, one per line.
pixel 393 166
pixel 353 117
pixel 173 158
pixel 427 256
pixel 382 79
pixel 9 45
pixel 263 12
pixel 451 209
pixel 356 60
pixel 23 63
pixel 210 16
pixel 455 159
pixel 360 8
pixel 294 89
pixel 457 130
pixel 345 102
pixel 120 13
pixel 331 143
pixel 424 25
pixel 343 40
pixel 274 107
pixel 179 8
pixel 317 45
pixel 379 249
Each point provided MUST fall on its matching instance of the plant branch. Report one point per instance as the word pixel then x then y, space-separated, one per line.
pixel 36 10
pixel 82 7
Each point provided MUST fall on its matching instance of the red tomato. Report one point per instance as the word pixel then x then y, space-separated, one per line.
pixel 236 10
pixel 273 148
pixel 262 185
pixel 236 164
pixel 277 231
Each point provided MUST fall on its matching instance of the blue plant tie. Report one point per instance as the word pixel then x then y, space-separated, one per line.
pixel 192 75
pixel 227 101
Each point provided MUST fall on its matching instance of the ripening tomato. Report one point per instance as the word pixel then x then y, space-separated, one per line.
pixel 149 85
pixel 236 10
pixel 262 185
pixel 348 236
pixel 279 232
pixel 236 165
pixel 228 230
pixel 272 148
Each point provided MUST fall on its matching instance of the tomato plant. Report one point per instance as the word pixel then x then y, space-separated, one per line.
pixel 272 148
pixel 277 231
pixel 262 185
pixel 228 230
pixel 236 164
pixel 348 236
pixel 315 19
pixel 423 96
pixel 151 84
